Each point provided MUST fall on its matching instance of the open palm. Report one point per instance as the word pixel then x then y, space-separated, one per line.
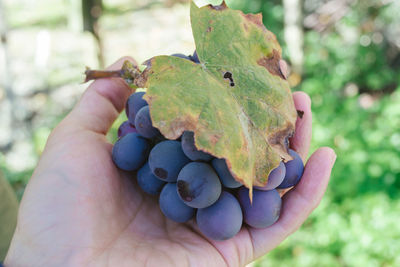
pixel 80 210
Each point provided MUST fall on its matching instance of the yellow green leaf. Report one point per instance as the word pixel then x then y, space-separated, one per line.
pixel 236 101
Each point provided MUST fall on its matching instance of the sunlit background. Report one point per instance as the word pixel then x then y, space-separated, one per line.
pixel 344 53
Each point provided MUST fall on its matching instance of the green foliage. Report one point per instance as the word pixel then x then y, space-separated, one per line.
pixel 360 231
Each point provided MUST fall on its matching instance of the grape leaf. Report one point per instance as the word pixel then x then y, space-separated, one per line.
pixel 236 101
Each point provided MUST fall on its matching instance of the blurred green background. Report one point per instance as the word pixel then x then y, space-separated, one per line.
pixel 344 53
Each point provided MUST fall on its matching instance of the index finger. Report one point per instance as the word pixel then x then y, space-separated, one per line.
pixel 300 142
pixel 298 203
pixel 102 102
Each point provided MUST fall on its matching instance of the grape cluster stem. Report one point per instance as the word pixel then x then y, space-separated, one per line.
pixel 129 72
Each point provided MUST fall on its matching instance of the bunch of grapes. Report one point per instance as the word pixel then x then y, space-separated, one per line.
pixel 191 183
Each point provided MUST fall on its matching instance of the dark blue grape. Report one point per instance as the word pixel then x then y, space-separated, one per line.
pixel 130 152
pixel 294 171
pixel 195 57
pixel 275 178
pixel 172 206
pixel 143 124
pixel 222 220
pixel 190 149
pixel 198 185
pixel 181 56
pixel 134 103
pixel 148 182
pixel 167 159
pixel 265 209
pixel 126 128
pixel 224 174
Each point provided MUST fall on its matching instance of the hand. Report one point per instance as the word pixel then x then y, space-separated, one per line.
pixel 80 210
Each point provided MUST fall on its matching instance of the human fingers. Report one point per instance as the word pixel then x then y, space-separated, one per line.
pixel 298 203
pixel 101 103
pixel 300 142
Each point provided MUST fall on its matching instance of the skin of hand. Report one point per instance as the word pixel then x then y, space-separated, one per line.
pixel 80 210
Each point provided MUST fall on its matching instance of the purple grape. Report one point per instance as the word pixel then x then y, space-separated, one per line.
pixel 265 209
pixel 126 128
pixel 198 185
pixel 181 56
pixel 167 159
pixel 224 174
pixel 275 178
pixel 143 124
pixel 195 57
pixel 148 182
pixel 130 152
pixel 294 171
pixel 190 149
pixel 222 220
pixel 172 206
pixel 134 103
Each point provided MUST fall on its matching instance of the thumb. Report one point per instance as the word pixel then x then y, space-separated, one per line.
pixel 101 103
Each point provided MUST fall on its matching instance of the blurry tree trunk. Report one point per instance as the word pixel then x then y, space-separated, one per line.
pixel 294 35
pixel 75 23
pixel 8 215
pixel 91 12
pixel 327 14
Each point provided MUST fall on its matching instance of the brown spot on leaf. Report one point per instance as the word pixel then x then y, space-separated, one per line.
pixel 222 6
pixel 142 79
pixel 300 113
pixel 271 63
pixel 255 18
pixel 209 29
pixel 214 138
pixel 279 140
pixel 178 126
